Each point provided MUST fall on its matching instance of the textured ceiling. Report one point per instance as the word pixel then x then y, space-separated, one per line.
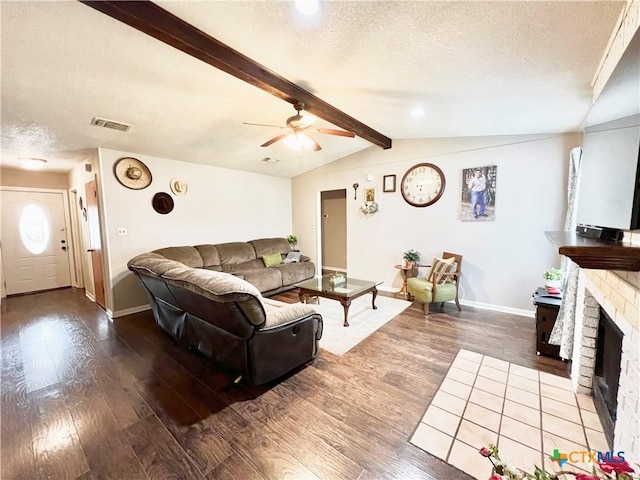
pixel 476 68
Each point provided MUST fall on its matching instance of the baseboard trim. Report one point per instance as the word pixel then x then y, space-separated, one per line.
pixel 90 296
pixel 499 308
pixel 128 311
pixel 383 288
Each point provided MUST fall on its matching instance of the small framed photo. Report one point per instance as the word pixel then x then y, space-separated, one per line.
pixel 389 183
pixel 369 195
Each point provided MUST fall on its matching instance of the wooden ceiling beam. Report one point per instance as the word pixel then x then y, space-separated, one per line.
pixel 153 20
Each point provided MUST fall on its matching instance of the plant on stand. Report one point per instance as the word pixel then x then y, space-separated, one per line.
pixel 410 258
pixel 293 241
pixel 553 278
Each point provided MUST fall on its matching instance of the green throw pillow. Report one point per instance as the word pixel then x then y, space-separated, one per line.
pixel 272 260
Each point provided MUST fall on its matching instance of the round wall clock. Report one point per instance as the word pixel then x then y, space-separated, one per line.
pixel 422 185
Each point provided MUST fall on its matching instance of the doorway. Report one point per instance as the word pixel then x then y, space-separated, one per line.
pixel 333 211
pixel 95 241
pixel 35 241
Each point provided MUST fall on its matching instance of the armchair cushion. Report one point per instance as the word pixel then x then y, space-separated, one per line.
pixel 422 290
pixel 440 269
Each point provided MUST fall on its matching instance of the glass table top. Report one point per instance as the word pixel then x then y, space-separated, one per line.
pixel 348 288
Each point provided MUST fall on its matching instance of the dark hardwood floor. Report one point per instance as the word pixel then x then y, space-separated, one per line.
pixel 86 397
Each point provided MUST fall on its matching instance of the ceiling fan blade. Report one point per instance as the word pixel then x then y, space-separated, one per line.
pixel 274 140
pixel 263 125
pixel 340 133
pixel 316 146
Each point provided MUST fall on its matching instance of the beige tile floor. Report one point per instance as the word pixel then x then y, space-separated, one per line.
pixel 525 412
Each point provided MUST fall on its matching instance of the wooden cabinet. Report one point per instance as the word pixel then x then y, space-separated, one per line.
pixel 546 314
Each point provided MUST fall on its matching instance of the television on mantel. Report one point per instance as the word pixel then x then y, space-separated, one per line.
pixel 609 182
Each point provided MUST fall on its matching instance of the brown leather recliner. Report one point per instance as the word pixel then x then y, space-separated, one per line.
pixel 227 320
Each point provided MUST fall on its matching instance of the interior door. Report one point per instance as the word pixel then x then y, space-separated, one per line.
pixel 95 241
pixel 334 230
pixel 34 241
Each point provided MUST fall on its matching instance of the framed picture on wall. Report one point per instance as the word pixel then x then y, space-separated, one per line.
pixel 478 195
pixel 369 195
pixel 389 183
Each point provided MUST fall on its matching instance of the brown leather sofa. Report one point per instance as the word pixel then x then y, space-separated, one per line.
pixel 226 318
pixel 244 259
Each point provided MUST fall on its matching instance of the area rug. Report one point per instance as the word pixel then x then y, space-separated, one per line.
pixel 363 321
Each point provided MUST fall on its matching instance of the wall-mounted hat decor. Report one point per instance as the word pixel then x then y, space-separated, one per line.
pixel 132 173
pixel 162 203
pixel 179 187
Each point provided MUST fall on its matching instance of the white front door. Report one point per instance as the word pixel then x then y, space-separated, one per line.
pixel 35 247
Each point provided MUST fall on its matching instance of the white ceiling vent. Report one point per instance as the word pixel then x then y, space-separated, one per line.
pixel 103 122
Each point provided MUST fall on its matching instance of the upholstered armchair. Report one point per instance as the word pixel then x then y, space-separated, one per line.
pixel 440 284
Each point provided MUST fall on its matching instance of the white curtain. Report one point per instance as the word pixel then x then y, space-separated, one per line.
pixel 562 333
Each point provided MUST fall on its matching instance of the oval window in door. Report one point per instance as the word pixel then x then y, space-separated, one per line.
pixel 34 229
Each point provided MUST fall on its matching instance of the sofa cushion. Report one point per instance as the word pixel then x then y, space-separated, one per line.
pixel 265 279
pixel 268 246
pixel 220 287
pixel 210 257
pixel 272 260
pixel 187 255
pixel 286 313
pixel 237 255
pixel 296 272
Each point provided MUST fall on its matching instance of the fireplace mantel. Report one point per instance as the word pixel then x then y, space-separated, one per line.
pixel 596 254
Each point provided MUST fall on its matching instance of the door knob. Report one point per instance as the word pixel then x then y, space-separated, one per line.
pixel 91 250
pixel 63 248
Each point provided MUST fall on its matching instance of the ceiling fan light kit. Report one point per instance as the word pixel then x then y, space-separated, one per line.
pixel 299 139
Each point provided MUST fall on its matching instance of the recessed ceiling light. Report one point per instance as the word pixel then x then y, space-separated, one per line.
pixel 416 113
pixel 32 163
pixel 308 7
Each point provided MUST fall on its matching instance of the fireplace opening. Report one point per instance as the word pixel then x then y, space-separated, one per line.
pixel 607 374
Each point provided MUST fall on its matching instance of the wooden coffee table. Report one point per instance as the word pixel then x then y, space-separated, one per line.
pixel 344 292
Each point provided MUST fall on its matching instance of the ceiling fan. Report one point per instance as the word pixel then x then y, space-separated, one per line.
pixel 298 138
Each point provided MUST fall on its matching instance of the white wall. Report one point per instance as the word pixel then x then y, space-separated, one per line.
pixel 221 205
pixel 503 259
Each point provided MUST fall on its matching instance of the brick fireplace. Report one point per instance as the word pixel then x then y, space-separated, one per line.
pixel 617 293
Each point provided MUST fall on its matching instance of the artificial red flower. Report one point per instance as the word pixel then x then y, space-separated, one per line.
pixel 496 477
pixel 584 476
pixel 615 465
pixel 484 451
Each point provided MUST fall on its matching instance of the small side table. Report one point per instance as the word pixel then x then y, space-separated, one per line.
pixel 405 272
pixel 547 307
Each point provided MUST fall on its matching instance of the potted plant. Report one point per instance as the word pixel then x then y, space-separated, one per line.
pixel 553 277
pixel 410 257
pixel 293 241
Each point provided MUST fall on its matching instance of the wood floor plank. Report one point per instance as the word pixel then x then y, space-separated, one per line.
pixel 57 449
pixel 91 398
pixel 234 467
pixel 203 444
pixel 158 451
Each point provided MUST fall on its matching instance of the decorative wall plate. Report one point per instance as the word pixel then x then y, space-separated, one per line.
pixel 132 173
